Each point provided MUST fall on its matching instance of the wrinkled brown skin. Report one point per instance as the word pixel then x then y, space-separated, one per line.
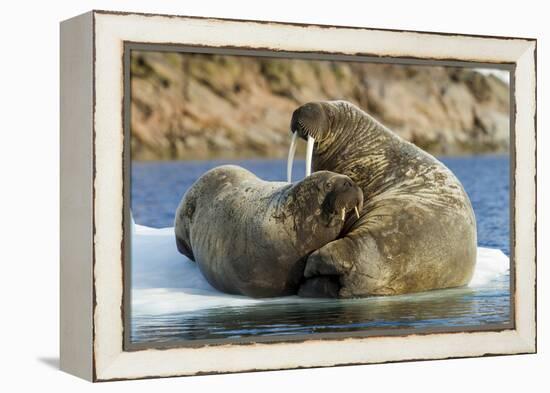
pixel 417 230
pixel 250 237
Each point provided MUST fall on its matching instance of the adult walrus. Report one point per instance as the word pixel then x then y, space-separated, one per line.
pixel 251 237
pixel 417 229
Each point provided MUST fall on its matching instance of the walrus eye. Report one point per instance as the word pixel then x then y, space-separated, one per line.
pixel 328 185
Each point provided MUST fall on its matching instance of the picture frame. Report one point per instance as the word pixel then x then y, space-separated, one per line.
pixel 94 192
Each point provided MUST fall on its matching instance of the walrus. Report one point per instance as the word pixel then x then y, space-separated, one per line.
pixel 417 229
pixel 250 237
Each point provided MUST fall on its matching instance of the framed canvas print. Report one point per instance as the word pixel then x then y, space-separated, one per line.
pixel 245 195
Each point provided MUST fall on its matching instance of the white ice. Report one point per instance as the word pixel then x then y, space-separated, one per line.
pixel 164 281
pixel 503 75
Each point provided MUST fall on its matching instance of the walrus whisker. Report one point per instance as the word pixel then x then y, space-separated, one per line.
pixel 356 211
pixel 290 159
pixel 309 153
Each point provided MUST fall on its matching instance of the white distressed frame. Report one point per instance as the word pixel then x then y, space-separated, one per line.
pixel 109 361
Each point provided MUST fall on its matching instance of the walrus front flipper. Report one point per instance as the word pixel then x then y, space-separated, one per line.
pixel 329 260
pixel 320 287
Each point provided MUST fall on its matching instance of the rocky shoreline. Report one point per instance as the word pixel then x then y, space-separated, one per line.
pixel 191 106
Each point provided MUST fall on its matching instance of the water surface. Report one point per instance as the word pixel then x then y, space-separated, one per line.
pixel 157 188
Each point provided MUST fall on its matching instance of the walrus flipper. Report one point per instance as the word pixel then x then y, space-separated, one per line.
pixel 322 262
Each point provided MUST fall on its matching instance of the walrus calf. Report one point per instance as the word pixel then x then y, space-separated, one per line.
pixel 417 229
pixel 251 237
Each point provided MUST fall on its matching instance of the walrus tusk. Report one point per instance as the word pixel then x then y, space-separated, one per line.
pixel 290 159
pixel 309 153
pixel 356 211
pixel 343 214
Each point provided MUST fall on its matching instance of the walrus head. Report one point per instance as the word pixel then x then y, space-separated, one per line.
pixel 338 196
pixel 342 197
pixel 310 122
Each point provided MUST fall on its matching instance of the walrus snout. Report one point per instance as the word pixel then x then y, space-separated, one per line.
pixel 343 197
pixel 310 119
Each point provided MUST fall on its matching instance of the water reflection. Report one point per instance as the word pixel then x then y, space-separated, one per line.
pixel 444 308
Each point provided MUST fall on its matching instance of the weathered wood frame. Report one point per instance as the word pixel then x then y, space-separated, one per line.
pixel 93 215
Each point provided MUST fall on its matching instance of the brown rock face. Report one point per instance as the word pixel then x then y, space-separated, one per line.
pixel 192 106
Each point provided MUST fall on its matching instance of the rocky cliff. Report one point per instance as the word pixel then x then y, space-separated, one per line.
pixel 191 106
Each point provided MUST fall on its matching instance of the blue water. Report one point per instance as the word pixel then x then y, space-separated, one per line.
pixel 157 187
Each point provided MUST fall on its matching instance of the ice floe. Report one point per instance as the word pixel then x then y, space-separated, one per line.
pixel 164 281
